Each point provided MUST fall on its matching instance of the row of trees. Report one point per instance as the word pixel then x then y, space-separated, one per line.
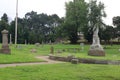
pixel 33 27
pixel 80 17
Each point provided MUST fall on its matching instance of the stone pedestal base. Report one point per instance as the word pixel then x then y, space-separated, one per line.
pixel 96 53
pixel 5 50
pixel 96 50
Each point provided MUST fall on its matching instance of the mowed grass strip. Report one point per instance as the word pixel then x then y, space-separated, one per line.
pixel 66 71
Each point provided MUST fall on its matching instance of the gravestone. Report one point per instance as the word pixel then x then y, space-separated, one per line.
pixel 74 61
pixel 10 39
pixel 5 47
pixel 37 44
pixel 19 46
pixel 59 51
pixel 42 44
pixel 33 50
pixel 25 42
pixel 70 57
pixel 82 46
pixel 52 50
pixel 96 49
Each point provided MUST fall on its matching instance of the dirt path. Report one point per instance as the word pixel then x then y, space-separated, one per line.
pixel 48 61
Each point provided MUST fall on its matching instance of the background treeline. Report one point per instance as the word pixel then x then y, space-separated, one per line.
pixel 34 27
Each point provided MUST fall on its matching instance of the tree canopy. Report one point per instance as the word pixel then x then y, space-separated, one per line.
pixel 75 20
pixel 33 27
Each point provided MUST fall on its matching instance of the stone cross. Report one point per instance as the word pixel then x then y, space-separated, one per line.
pixel 5 47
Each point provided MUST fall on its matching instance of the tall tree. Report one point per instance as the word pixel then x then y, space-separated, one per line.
pixel 96 13
pixel 108 33
pixel 3 24
pixel 36 27
pixel 35 24
pixel 54 23
pixel 5 18
pixel 41 26
pixel 76 17
pixel 116 22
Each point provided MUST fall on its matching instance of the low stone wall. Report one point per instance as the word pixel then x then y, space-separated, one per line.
pixel 59 58
pixel 82 60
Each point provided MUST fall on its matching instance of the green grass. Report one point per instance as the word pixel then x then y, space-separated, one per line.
pixel 19 55
pixel 24 55
pixel 64 71
pixel 112 52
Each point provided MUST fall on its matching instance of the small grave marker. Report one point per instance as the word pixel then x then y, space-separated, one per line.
pixel 82 46
pixel 33 51
pixel 37 44
pixel 25 42
pixel 74 61
pixel 10 39
pixel 19 47
pixel 52 50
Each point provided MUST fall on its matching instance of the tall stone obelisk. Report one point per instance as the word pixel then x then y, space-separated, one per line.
pixel 5 47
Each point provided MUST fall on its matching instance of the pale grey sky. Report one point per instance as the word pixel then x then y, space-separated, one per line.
pixel 52 7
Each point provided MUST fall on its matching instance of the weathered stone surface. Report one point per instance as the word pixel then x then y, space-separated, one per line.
pixel 10 40
pixel 74 61
pixel 5 47
pixel 114 62
pixel 37 44
pixel 5 50
pixel 70 57
pixel 52 50
pixel 84 60
pixel 57 58
pixel 96 53
pixel 96 49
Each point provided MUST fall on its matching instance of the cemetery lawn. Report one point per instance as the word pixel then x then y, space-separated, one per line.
pixel 62 71
pixel 112 52
pixel 19 55
pixel 23 54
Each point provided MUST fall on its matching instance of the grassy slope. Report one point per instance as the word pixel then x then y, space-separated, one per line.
pixel 65 71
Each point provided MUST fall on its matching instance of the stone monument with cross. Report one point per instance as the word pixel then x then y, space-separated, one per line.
pixel 5 47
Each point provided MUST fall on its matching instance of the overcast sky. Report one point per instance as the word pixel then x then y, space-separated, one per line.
pixel 52 7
